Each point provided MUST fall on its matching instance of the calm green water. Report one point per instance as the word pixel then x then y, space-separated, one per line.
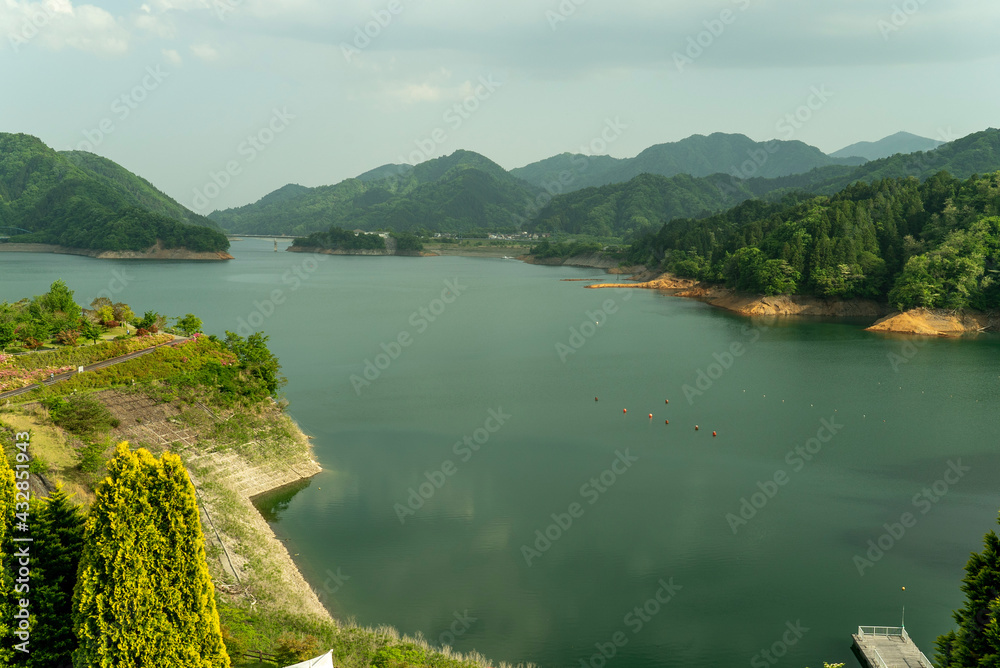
pixel 662 516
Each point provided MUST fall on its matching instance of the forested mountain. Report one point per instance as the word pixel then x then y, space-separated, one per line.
pixel 931 244
pixel 642 204
pixel 624 209
pixel 137 190
pixel 83 201
pixel 977 153
pixel 696 155
pixel 455 193
pixel 901 142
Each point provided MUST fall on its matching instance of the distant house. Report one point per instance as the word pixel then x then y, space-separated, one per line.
pixel 384 235
pixel 357 232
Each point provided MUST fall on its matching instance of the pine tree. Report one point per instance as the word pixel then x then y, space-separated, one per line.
pixel 58 541
pixel 144 597
pixel 976 644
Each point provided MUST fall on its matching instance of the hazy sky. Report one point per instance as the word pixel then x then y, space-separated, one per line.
pixel 174 90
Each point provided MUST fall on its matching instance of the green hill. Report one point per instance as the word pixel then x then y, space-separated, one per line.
pixel 642 204
pixel 456 193
pixel 137 190
pixel 83 201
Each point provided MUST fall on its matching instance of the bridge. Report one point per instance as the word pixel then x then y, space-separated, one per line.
pixel 887 647
pixel 4 235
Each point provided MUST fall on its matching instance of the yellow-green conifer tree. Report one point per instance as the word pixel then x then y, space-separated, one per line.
pixel 144 597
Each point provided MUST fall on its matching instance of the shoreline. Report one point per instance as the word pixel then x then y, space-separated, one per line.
pixel 157 252
pixel 917 322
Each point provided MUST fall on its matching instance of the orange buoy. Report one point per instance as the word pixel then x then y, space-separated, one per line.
pixel 696 427
pixel 666 401
pixel 714 434
pixel 650 416
pixel 666 422
pixel 595 398
pixel 624 410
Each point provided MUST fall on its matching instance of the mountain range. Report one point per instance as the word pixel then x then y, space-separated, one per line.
pixel 597 195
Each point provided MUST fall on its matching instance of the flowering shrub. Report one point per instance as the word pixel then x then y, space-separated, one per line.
pixel 20 371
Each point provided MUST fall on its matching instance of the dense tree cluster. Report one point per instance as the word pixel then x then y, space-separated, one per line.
pixel 55 316
pixel 930 244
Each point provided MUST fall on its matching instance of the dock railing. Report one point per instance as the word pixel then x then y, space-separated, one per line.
pixel 882 631
pixel 890 631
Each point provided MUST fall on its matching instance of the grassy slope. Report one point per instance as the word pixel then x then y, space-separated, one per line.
pixel 267 612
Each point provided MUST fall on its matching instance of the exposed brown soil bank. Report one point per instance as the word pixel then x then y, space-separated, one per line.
pixel 938 322
pixel 756 304
pixel 157 252
pixel 784 304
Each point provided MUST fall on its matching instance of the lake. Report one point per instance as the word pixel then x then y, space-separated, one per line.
pixel 475 492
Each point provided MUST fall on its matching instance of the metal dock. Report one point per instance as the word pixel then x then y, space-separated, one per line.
pixel 887 647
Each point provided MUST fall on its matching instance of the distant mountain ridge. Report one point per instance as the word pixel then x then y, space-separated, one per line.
pixel 901 142
pixel 697 155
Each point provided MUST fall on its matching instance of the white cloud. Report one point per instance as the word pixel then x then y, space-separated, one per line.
pixel 172 56
pixel 57 24
pixel 204 51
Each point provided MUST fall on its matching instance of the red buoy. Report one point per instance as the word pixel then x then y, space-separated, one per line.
pixel 650 416
pixel 595 398
pixel 696 427
pixel 666 401
pixel 714 434
pixel 624 410
pixel 666 422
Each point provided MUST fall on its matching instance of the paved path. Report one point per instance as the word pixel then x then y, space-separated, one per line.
pixel 99 365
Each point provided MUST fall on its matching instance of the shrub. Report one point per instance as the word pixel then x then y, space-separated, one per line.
pixel 81 415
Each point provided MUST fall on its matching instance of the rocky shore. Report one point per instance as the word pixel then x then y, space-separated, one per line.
pixel 920 322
